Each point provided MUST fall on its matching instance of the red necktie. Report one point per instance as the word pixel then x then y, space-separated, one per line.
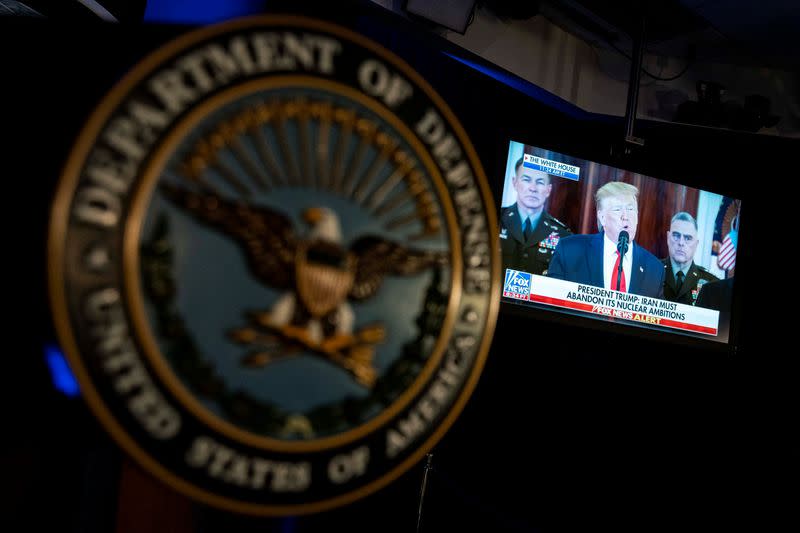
pixel 614 272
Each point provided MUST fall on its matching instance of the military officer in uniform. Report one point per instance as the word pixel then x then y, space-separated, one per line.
pixel 683 278
pixel 528 233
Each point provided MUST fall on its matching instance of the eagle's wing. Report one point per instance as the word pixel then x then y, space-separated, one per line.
pixel 377 257
pixel 266 235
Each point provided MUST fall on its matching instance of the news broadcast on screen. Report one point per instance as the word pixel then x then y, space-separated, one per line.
pixel 588 239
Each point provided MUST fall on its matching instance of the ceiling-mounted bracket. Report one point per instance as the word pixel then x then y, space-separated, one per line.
pixel 639 41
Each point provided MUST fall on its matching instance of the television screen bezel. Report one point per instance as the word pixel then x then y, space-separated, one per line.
pixel 497 178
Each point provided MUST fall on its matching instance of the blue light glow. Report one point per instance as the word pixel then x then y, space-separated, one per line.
pixel 60 372
pixel 200 11
pixel 288 525
pixel 528 88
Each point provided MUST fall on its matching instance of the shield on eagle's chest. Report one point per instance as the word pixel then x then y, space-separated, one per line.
pixel 324 277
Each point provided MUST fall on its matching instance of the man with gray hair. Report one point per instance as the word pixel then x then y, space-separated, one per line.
pixel 683 278
pixel 595 259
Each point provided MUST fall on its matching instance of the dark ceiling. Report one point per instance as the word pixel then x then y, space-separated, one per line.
pixel 766 29
pixel 760 33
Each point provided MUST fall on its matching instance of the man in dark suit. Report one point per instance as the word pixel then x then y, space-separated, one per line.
pixel 718 295
pixel 594 259
pixel 683 278
pixel 528 233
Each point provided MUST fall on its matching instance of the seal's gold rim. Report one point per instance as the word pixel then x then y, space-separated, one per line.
pixel 135 302
pixel 56 274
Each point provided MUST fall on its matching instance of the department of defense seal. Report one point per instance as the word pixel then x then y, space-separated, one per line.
pixel 273 265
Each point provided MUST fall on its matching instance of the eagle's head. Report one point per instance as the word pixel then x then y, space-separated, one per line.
pixel 324 224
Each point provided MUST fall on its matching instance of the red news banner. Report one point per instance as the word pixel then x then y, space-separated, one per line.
pixel 627 306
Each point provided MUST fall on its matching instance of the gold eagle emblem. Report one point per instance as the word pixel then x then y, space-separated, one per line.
pixel 318 275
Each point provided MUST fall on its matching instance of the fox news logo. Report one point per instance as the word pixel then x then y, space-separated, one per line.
pixel 517 285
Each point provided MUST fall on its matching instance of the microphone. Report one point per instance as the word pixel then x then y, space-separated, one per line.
pixel 622 248
pixel 622 243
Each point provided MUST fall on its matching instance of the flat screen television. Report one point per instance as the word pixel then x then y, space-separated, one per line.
pixel 587 239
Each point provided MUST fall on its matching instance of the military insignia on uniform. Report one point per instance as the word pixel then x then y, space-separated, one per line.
pixel 696 290
pixel 270 294
pixel 551 241
pixel 504 233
